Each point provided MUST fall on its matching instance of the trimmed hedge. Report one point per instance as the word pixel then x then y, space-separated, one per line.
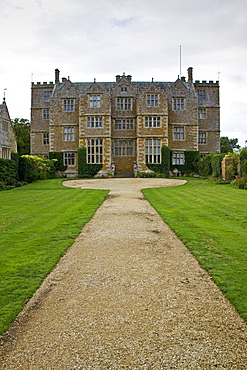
pixel 164 166
pixel 86 169
pixel 8 171
pixel 25 169
pixel 21 170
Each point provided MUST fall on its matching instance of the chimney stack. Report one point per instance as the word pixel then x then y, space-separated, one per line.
pixel 57 72
pixel 190 75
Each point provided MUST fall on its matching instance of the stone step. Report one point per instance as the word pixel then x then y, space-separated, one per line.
pixel 122 174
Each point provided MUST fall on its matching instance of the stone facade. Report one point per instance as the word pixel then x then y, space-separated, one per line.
pixel 7 136
pixel 124 124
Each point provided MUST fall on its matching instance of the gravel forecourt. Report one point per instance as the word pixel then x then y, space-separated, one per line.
pixel 127 295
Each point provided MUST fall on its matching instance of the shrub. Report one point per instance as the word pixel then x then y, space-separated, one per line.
pixel 147 174
pixel 57 158
pixel 241 182
pixel 243 161
pixel 34 168
pixel 210 165
pixel 216 160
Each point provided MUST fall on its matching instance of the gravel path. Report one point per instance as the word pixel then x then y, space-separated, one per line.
pixel 127 295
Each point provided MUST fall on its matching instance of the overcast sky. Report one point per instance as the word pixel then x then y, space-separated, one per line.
pixel 87 39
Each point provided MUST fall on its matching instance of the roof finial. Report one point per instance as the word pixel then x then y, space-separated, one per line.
pixel 4 93
pixel 152 79
pixel 94 80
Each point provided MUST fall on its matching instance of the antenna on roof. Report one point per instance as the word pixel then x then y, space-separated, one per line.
pixel 180 58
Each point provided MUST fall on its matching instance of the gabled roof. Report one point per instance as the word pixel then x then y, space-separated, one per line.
pixel 4 110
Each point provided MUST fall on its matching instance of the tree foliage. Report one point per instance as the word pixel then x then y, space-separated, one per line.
pixel 21 127
pixel 228 145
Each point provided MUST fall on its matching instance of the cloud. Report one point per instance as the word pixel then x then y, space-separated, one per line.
pixel 122 22
pixel 102 38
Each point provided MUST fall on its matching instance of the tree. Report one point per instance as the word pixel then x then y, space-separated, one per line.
pixel 21 127
pixel 228 145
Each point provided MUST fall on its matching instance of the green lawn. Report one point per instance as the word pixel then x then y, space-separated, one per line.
pixel 211 220
pixel 38 223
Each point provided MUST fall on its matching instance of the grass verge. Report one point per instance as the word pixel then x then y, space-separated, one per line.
pixel 38 223
pixel 211 220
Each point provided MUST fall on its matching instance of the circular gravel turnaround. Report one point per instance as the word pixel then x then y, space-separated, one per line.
pixel 127 295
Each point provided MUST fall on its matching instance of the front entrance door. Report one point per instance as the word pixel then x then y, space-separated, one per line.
pixel 123 155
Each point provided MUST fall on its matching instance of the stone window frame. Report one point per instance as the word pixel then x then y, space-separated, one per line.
pixel 178 104
pixel 202 113
pixel 202 95
pixel 123 148
pixel 95 150
pixel 178 133
pixel 68 133
pixel 152 100
pixel 46 138
pixel 124 89
pixel 152 121
pixel 94 122
pixel 68 158
pixel 123 104
pixel 124 124
pixel 68 105
pixel 177 158
pixel 153 150
pixel 47 95
pixel 202 137
pixel 46 114
pixel 94 101
pixel 5 153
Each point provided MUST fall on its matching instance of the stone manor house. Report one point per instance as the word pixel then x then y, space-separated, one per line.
pixel 7 136
pixel 124 124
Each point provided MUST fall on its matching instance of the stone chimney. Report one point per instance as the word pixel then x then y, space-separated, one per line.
pixel 190 75
pixel 129 77
pixel 118 77
pixel 57 72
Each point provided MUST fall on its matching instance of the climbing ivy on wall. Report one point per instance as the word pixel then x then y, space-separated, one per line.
pixel 86 169
pixel 164 166
pixel 191 158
